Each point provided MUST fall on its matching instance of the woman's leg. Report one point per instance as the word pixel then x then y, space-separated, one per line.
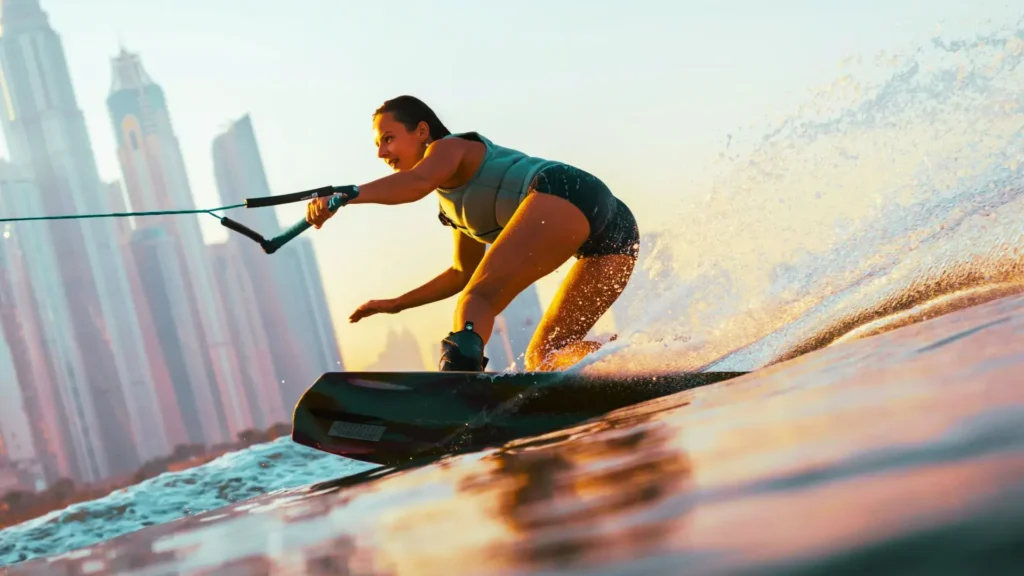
pixel 544 232
pixel 552 224
pixel 591 287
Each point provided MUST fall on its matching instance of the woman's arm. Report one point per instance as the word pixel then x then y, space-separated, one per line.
pixel 468 254
pixel 439 164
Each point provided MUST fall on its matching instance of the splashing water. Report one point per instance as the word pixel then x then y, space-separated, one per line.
pixel 875 197
pixel 260 469
pixel 891 195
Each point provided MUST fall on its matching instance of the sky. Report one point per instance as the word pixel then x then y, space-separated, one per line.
pixel 643 96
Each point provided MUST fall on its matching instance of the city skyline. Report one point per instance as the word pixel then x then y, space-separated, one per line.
pixel 101 381
pixel 123 338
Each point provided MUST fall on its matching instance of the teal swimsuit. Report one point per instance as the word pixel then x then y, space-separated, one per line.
pixel 482 207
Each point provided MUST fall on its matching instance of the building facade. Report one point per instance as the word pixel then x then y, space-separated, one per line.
pixel 155 179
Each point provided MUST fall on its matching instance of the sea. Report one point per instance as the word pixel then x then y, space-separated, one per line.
pixel 861 256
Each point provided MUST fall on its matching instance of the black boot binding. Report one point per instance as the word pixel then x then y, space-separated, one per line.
pixel 463 351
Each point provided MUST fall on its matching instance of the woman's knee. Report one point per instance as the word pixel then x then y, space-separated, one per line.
pixel 497 286
pixel 494 293
pixel 557 356
pixel 534 358
pixel 546 340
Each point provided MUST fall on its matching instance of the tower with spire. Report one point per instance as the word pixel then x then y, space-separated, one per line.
pixel 155 179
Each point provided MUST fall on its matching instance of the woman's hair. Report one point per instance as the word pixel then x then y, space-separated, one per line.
pixel 410 111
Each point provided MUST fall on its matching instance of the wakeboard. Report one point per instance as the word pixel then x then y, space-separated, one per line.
pixel 393 418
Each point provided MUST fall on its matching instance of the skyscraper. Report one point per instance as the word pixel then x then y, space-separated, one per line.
pixel 46 133
pixel 163 283
pixel 287 285
pixel 306 307
pixel 25 378
pixel 167 426
pixel 63 419
pixel 246 327
pixel 155 177
pixel 21 424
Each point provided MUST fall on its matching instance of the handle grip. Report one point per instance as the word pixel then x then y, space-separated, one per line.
pixel 242 229
pixel 274 244
pixel 289 198
pixel 340 195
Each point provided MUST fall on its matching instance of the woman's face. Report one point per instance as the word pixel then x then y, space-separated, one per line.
pixel 400 148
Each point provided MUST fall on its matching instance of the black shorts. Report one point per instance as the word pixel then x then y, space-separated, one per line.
pixel 613 229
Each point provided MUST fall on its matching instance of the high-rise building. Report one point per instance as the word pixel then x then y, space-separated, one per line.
pixel 28 414
pixel 16 426
pixel 306 305
pixel 288 286
pixel 155 177
pixel 46 134
pixel 163 283
pixel 246 328
pixel 63 418
pixel 167 428
pixel 15 436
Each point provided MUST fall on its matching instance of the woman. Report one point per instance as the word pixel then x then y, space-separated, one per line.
pixel 535 213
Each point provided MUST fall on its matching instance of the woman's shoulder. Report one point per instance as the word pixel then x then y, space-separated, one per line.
pixel 460 142
pixel 471 136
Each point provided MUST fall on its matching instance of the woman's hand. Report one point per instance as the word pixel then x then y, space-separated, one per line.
pixel 317 212
pixel 390 306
